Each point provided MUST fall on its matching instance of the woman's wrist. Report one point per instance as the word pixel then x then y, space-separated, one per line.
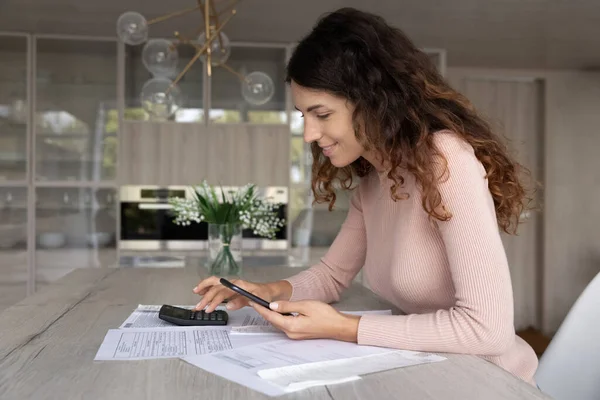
pixel 348 331
pixel 280 290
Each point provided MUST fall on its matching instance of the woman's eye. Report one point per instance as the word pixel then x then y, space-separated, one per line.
pixel 323 116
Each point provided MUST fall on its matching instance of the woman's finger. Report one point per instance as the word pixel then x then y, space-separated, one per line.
pixel 208 297
pixel 236 302
pixel 218 299
pixel 206 284
pixel 288 307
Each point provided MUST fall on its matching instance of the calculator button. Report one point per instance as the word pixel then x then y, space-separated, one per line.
pixel 213 317
pixel 192 315
pixel 219 317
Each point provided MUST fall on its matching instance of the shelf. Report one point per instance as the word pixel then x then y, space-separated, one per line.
pixel 73 135
pixel 76 184
pixel 60 211
pixel 41 85
pixel 16 184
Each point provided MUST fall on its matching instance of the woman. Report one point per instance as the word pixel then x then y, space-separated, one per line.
pixel 435 187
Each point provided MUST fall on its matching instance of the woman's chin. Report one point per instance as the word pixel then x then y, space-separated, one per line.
pixel 339 162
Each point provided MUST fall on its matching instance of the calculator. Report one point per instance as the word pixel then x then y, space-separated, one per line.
pixel 185 317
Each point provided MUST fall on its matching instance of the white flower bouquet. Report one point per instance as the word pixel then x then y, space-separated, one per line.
pixel 228 211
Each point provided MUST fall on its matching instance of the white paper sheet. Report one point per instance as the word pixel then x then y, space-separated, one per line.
pixel 242 365
pixel 298 376
pixel 147 344
pixel 121 344
pixel 146 316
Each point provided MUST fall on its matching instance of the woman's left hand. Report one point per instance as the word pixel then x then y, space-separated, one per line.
pixel 315 320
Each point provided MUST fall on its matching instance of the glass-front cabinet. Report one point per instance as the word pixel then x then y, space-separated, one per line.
pixel 58 148
pixel 75 149
pixel 75 228
pixel 14 103
pixel 13 108
pixel 13 245
pixel 75 115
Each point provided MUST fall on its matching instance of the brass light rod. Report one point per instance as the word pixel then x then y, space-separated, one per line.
pixel 174 14
pixel 201 50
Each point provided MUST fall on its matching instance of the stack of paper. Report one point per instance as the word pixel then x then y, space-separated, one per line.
pixel 251 352
pixel 289 365
pixel 304 375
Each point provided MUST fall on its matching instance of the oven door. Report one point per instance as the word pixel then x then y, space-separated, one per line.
pixel 280 242
pixel 150 226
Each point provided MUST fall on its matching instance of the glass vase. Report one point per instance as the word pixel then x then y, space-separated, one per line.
pixel 224 249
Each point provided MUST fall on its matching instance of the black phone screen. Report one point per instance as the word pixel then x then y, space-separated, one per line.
pixel 249 295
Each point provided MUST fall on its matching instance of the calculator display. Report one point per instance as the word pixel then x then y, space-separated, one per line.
pixel 179 313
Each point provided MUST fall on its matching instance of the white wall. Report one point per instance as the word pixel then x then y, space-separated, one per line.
pixel 571 183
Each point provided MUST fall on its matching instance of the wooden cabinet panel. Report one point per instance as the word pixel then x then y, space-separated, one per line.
pixel 181 154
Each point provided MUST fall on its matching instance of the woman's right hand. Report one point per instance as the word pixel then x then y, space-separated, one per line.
pixel 213 293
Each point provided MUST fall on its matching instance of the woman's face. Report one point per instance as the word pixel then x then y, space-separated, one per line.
pixel 328 122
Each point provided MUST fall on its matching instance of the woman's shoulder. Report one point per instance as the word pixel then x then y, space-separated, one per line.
pixel 449 142
pixel 458 154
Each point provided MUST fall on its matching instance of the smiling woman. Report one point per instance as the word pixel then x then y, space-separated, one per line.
pixel 436 186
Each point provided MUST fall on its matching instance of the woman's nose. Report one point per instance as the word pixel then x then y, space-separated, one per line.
pixel 311 132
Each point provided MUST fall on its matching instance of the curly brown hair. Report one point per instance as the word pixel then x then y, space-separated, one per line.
pixel 400 101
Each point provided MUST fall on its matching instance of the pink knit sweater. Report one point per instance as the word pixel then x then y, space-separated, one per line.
pixel 450 278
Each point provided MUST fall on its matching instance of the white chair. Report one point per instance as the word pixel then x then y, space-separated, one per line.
pixel 570 366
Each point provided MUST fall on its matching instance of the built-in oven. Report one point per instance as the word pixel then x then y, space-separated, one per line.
pixel 147 224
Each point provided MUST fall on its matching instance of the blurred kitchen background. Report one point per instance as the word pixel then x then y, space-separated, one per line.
pixel 83 165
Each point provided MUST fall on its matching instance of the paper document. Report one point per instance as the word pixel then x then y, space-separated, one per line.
pixel 146 316
pixel 242 365
pixel 299 376
pixel 121 344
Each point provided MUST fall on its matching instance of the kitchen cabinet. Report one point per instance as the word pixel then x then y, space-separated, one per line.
pixel 170 153
pixel 13 108
pixel 75 228
pixel 75 110
pixel 13 168
pixel 58 136
pixel 13 244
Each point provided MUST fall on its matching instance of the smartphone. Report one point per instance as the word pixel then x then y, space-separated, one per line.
pixel 247 294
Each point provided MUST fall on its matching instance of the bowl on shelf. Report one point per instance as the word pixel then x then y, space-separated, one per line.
pixel 52 240
pixel 8 242
pixel 99 239
pixel 11 236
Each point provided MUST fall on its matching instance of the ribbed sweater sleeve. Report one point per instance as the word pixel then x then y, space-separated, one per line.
pixel 346 256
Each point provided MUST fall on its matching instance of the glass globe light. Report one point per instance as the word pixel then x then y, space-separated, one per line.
pixel 132 28
pixel 219 49
pixel 257 88
pixel 158 100
pixel 160 57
